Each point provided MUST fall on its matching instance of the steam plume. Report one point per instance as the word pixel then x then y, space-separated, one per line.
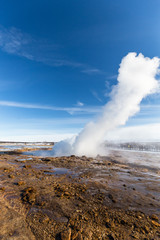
pixel 136 80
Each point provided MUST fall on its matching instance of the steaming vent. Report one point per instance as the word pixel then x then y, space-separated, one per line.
pixel 136 80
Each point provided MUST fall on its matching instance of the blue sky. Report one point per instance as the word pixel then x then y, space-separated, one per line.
pixel 59 60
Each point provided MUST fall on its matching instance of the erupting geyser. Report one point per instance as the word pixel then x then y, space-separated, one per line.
pixel 136 80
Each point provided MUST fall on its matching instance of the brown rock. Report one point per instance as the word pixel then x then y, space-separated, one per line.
pixel 154 217
pixel 42 203
pixel 45 220
pixel 46 159
pixel 66 194
pixel 156 224
pixel 111 237
pixel 79 236
pixel 74 234
pixel 87 234
pixel 66 235
pixel 7 170
pixel 110 224
pixel 29 195
pixel 27 166
pixel 11 176
pixel 112 198
pixel 20 183
pixel 146 229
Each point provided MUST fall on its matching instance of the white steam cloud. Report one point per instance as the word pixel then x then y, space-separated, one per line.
pixel 136 80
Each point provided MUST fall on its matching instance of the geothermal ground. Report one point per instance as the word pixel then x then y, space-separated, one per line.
pixel 48 198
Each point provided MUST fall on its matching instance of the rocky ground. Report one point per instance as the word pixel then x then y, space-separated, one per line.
pixel 77 198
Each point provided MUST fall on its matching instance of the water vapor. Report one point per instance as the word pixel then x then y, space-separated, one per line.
pixel 136 79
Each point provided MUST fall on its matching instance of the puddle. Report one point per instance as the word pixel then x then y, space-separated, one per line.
pixel 12 197
pixel 7 147
pixel 12 163
pixel 55 216
pixel 53 170
pixel 39 153
pixel 24 159
pixel 58 171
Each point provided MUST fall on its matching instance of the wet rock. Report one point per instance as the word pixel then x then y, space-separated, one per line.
pixel 146 229
pixel 66 235
pixel 82 199
pixel 111 237
pixel 20 183
pixel 7 170
pixel 155 224
pixel 11 176
pixel 112 198
pixel 2 188
pixel 123 222
pixel 87 234
pixel 27 166
pixel 29 195
pixel 45 220
pixel 46 159
pixel 135 235
pixel 109 224
pixel 41 203
pixel 67 194
pixel 82 211
pixel 74 234
pixel 79 236
pixel 154 217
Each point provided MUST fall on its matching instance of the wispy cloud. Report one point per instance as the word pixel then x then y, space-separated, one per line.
pixel 146 110
pixel 108 88
pixel 14 41
pixel 92 71
pixel 70 110
pixel 114 76
pixel 95 94
pixel 79 104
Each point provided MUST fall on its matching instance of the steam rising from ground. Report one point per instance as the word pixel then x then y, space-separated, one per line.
pixel 136 80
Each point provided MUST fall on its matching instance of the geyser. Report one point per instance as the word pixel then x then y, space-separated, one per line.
pixel 136 79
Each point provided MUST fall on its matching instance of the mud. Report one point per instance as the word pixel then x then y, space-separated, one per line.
pixel 77 198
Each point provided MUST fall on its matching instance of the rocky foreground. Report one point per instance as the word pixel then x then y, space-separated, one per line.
pixel 77 198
